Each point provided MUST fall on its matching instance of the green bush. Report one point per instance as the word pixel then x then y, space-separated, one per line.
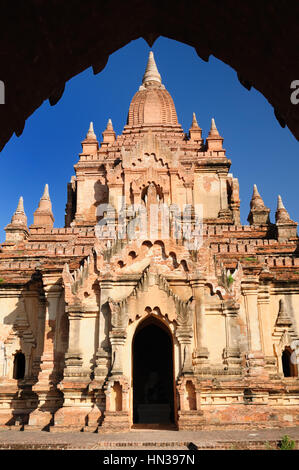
pixel 286 443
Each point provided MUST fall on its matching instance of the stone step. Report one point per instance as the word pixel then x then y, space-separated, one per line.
pixel 147 445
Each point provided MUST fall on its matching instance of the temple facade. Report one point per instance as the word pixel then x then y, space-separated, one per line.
pixel 154 305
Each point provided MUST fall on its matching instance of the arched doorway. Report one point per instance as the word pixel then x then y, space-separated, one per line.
pixel 153 378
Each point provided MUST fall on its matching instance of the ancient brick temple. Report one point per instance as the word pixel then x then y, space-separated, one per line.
pixel 153 305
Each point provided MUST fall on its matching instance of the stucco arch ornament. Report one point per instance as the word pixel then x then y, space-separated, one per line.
pixel 144 299
pixel 145 250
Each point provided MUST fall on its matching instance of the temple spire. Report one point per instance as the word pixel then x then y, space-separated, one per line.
pixel 17 230
pixel 259 213
pixel 195 131
pixel 286 227
pixel 20 207
pixel 43 216
pixel 255 191
pixel 46 194
pixel 256 199
pixel 19 216
pixel 280 203
pixel 214 139
pixel 151 72
pixel 281 215
pixel 194 121
pixel 91 134
pixel 109 125
pixel 109 135
pixel 213 130
pixel 90 145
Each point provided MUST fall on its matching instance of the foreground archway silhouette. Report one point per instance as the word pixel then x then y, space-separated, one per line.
pixel 50 43
pixel 153 377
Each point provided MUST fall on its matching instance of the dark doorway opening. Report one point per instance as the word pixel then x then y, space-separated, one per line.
pixel 289 365
pixel 153 385
pixel 19 366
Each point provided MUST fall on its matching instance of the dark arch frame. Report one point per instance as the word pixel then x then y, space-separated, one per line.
pixel 152 319
pixel 43 50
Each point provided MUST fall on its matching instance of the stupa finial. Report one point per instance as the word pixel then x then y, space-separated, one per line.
pixel 280 204
pixel 90 134
pixel 151 72
pixel 46 194
pixel 194 121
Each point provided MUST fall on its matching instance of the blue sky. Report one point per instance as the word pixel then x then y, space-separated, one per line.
pixel 261 151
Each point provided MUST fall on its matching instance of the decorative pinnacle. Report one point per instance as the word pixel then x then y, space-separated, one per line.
pixel 213 130
pixel 19 216
pixel 46 193
pixel 256 199
pixel 255 191
pixel 281 214
pixel 151 72
pixel 280 203
pixel 194 121
pixel 109 125
pixel 20 207
pixel 213 125
pixel 90 134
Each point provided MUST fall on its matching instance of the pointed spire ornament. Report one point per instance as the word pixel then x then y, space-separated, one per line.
pixel 279 203
pixel 194 121
pixel 214 139
pixel 90 145
pixel 213 130
pixel 259 213
pixel 17 229
pixel 282 214
pixel 286 227
pixel 46 195
pixel 43 216
pixel 256 200
pixel 109 125
pixel 20 207
pixel 19 217
pixel 151 72
pixel 109 135
pixel 90 134
pixel 195 131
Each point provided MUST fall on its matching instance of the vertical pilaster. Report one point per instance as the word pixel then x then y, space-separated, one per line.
pixel 103 350
pixel 49 397
pixel 255 355
pixel 231 353
pixel 74 357
pixel 201 352
pixel 53 292
pixel 266 326
pixel 184 336
pixel 223 194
